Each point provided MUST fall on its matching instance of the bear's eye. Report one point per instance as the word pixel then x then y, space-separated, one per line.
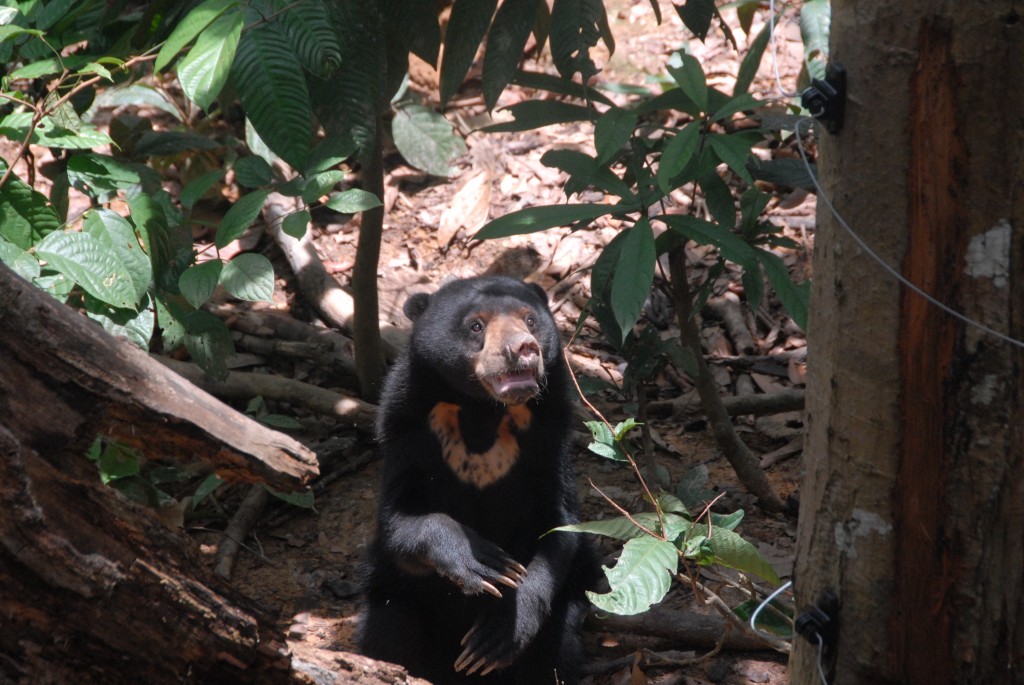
pixel 531 321
pixel 476 327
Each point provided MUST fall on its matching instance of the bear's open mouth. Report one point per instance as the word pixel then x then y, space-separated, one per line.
pixel 514 386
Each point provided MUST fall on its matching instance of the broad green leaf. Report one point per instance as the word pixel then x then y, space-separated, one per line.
pixel 298 499
pixel 727 521
pixel 169 143
pixel 272 87
pixel 16 126
pixel 19 261
pixel 117 234
pixel 719 199
pixel 672 504
pixel 815 25
pixel 89 263
pixel 560 86
pixel 741 102
pixel 505 42
pixel 209 342
pixel 198 187
pixel 612 132
pixel 296 224
pixel 621 528
pixel 734 150
pixel 135 327
pixel 731 550
pixel 321 184
pixel 99 175
pixel 601 432
pixel 329 153
pixel 585 171
pixel 697 16
pixel 623 428
pixel 426 139
pixel 634 275
pixel 794 297
pixel 311 36
pixel 532 114
pixel 576 26
pixel 209 484
pixel 249 276
pixel 136 95
pixel 118 461
pixel 240 216
pixel 199 281
pixel 533 219
pixel 677 154
pixel 689 76
pixel 751 61
pixel 730 245
pixel 26 215
pixel 640 578
pixel 279 421
pixel 352 201
pixel 253 171
pixel 467 26
pixel 203 72
pixel 188 28
pixel 604 443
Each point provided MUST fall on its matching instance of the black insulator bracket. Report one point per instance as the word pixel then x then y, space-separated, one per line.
pixel 821 620
pixel 825 99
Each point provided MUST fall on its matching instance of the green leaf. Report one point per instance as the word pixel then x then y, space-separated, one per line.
pixel 47 133
pixel 640 578
pixel 240 216
pixel 634 275
pixel 321 184
pixel 118 461
pixel 209 342
pixel 85 260
pixel 298 499
pixel 249 276
pixel 415 26
pixel 733 149
pixel 731 550
pixel 815 25
pixel 253 171
pixel 505 43
pixel 352 201
pixel 272 87
pixel 532 114
pixel 296 224
pixel 328 153
pixel 26 215
pixel 116 233
pixel 689 76
pixel 751 61
pixel 697 16
pixel 198 187
pixel 426 139
pixel 135 327
pixel 612 132
pixel 203 72
pixel 793 297
pixel 467 26
pixel 585 171
pixel 617 528
pixel 623 428
pixel 672 504
pixel 199 281
pixel 719 199
pixel 206 488
pixel 560 86
pixel 188 28
pixel 533 219
pixel 727 521
pixel 741 102
pixel 731 246
pixel 169 143
pixel 18 260
pixel 279 421
pixel 99 175
pixel 576 26
pixel 312 37
pixel 677 154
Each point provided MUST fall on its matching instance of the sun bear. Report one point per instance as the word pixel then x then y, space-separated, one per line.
pixel 465 583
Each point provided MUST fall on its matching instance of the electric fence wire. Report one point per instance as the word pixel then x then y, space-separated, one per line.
pixel 892 271
pixel 768 600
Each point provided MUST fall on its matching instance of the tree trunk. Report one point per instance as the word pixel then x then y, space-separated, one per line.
pixel 912 502
pixel 95 588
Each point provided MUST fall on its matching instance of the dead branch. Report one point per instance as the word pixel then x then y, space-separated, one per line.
pixel 791 399
pixel 696 630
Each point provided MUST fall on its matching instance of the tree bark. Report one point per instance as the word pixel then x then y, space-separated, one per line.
pixel 911 506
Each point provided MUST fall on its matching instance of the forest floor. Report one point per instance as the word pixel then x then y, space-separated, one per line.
pixel 304 564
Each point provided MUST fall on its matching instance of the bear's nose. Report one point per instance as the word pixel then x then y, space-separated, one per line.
pixel 522 349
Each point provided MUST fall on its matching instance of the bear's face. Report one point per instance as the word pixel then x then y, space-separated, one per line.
pixel 487 337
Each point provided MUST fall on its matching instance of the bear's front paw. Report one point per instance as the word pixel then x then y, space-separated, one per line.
pixel 497 638
pixel 479 565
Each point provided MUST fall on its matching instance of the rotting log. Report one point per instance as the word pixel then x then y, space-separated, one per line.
pixel 95 588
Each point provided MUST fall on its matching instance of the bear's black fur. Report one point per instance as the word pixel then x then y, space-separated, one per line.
pixel 464 584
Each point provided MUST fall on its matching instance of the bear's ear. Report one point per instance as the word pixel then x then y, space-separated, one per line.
pixel 540 293
pixel 416 305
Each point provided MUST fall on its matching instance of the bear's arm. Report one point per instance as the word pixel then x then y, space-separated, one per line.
pixel 419 540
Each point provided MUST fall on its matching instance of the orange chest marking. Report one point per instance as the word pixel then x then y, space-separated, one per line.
pixel 479 468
